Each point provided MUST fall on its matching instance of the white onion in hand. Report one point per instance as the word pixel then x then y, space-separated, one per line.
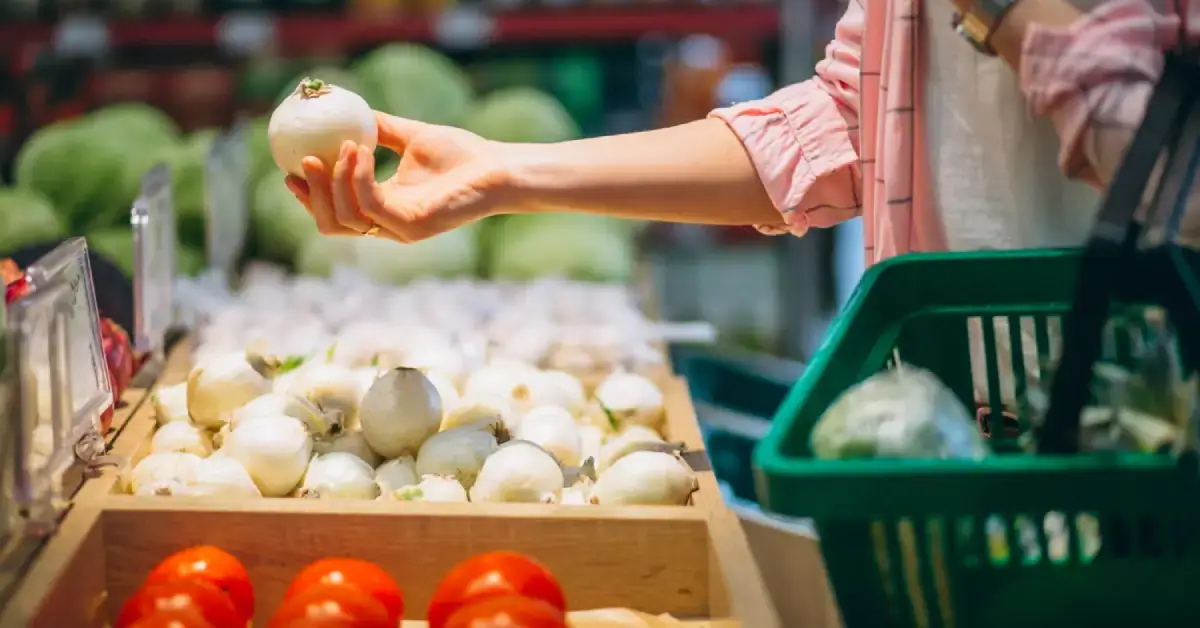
pixel 315 121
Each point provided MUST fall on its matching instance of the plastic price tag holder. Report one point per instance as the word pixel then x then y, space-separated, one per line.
pixel 153 220
pixel 90 389
pixel 226 189
pixel 40 439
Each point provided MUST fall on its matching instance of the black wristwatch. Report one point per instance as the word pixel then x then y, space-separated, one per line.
pixel 978 25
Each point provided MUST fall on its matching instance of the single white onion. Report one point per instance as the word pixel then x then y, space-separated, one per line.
pixel 433 488
pixel 519 472
pixel 632 438
pixel 645 478
pixel 396 473
pixel 274 450
pixel 562 389
pixel 555 430
pixel 350 442
pixel 400 411
pixel 168 466
pixel 315 120
pixel 632 398
pixel 458 452
pixel 481 408
pixel 180 436
pixel 338 475
pixel 222 476
pixel 319 423
pixel 330 387
pixel 170 403
pixel 220 385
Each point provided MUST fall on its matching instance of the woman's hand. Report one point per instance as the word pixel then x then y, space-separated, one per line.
pixel 447 177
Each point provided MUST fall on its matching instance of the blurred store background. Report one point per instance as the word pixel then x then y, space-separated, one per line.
pixel 95 91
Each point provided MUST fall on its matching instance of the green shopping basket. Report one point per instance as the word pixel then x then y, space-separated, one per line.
pixel 1007 541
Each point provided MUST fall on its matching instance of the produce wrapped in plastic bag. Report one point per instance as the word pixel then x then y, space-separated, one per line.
pixel 905 412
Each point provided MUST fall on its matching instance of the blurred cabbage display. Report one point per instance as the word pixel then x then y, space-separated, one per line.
pixel 575 246
pixel 188 166
pixel 905 412
pixel 413 81
pixel 27 218
pixel 521 114
pixel 281 224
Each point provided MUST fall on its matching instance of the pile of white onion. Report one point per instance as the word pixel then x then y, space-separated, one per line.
pixel 446 325
pixel 246 424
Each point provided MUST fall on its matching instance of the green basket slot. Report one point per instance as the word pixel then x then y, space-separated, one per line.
pixel 1012 540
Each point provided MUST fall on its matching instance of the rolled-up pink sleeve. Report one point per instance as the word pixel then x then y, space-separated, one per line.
pixel 803 139
pixel 1094 80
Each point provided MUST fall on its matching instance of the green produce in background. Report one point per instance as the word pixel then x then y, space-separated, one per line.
pixel 280 222
pixel 319 254
pixel 259 148
pixel 28 218
pixel 414 82
pixel 116 245
pixel 188 169
pixel 450 254
pixel 139 122
pixel 521 114
pixel 574 246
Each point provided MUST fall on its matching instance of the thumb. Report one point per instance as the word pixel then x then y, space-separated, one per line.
pixel 395 133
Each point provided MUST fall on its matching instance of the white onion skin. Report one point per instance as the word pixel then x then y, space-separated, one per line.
pixel 308 124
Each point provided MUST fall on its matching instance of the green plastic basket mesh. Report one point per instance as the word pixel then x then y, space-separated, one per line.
pixel 1012 540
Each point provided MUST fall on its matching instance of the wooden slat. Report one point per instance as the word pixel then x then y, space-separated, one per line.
pixel 66 585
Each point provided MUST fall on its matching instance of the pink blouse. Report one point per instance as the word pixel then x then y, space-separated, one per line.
pixel 860 119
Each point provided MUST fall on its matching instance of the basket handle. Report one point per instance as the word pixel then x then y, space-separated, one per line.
pixel 1112 260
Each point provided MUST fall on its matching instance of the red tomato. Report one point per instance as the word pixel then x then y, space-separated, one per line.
pixel 492 575
pixel 188 594
pixel 181 618
pixel 360 574
pixel 214 566
pixel 332 605
pixel 509 611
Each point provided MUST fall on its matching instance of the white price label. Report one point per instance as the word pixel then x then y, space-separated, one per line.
pixel 226 189
pixel 246 34
pixel 153 220
pixel 464 28
pixel 81 36
pixel 91 391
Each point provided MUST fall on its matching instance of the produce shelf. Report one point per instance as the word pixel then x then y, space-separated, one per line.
pixel 300 34
pixel 688 561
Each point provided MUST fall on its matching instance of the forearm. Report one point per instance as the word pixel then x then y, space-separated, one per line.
pixel 697 172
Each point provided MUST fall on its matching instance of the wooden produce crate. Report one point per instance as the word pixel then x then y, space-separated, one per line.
pixel 692 562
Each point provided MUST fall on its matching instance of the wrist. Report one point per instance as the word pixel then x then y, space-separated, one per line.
pixel 534 174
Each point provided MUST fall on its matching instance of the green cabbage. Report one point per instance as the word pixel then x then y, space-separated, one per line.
pixel 280 222
pixel 138 121
pixel 576 246
pixel 189 164
pixel 259 149
pixel 521 114
pixel 447 255
pixel 414 82
pixel 28 218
